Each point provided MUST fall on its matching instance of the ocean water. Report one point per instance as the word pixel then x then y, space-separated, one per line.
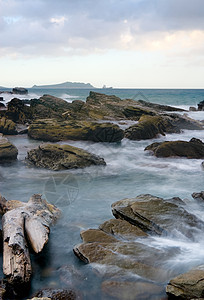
pixel 85 195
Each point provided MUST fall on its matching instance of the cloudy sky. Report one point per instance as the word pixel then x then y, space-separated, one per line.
pixel 120 43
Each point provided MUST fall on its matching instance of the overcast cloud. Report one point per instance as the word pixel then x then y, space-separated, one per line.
pixel 64 27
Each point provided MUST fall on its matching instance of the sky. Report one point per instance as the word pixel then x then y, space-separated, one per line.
pixel 119 43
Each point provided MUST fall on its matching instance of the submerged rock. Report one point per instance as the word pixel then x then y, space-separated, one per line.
pixel 149 127
pixel 53 131
pixel 59 157
pixel 186 286
pixel 130 290
pixel 192 149
pixel 7 126
pixel 8 152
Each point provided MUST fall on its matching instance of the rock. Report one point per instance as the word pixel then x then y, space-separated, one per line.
pixel 188 285
pixel 57 294
pixel 2 290
pixel 201 105
pixel 129 290
pixel 184 122
pixel 7 126
pixel 20 91
pixel 192 108
pixel 199 196
pixel 192 149
pixel 164 217
pixel 97 235
pixel 59 157
pixel 2 105
pixel 109 107
pixel 41 298
pixel 48 106
pixel 1 98
pixel 18 112
pixel 8 152
pixel 150 127
pixel 53 131
pixel 122 229
pixel 202 165
pixel 121 258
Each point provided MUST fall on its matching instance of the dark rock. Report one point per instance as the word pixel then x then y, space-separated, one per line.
pixel 1 98
pixel 8 152
pixel 19 91
pixel 52 130
pixel 48 106
pixel 57 294
pixel 192 108
pixel 187 286
pixel 163 218
pixel 199 196
pixel 7 126
pixel 59 157
pixel 159 107
pixel 150 127
pixel 2 290
pixel 17 111
pixel 201 105
pixel 202 165
pixel 2 105
pixel 192 149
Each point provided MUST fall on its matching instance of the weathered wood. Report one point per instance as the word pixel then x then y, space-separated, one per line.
pixel 21 222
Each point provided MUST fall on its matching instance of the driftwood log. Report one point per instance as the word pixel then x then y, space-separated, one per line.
pixel 24 224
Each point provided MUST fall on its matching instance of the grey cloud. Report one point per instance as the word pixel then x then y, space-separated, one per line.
pixel 89 24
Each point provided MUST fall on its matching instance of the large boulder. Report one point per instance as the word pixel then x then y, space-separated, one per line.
pixel 8 152
pixel 150 127
pixel 186 286
pixel 18 112
pixel 158 216
pixel 59 157
pixel 20 91
pixel 7 126
pixel 48 106
pixel 53 131
pixel 192 149
pixel 109 107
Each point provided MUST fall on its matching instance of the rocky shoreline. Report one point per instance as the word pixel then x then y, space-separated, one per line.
pixel 116 242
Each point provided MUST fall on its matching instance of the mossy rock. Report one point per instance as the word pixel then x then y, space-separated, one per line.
pixel 49 106
pixel 192 149
pixel 150 127
pixel 59 157
pixel 8 152
pixel 52 130
pixel 18 112
pixel 7 127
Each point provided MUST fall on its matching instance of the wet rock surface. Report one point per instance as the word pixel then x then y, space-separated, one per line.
pixel 53 131
pixel 192 149
pixel 59 157
pixel 150 127
pixel 7 126
pixel 189 285
pixel 8 152
pixel 154 215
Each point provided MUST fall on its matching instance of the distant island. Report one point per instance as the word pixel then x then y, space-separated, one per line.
pixel 65 85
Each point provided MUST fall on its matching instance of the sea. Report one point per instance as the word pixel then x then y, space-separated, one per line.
pixel 85 195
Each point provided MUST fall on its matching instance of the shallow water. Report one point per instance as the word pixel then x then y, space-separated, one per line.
pixel 85 197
